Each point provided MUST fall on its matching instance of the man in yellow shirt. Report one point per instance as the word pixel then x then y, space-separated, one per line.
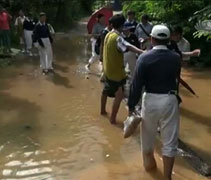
pixel 113 64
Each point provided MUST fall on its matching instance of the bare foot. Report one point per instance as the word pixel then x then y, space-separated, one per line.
pixel 151 165
pixel 103 113
pixel 112 121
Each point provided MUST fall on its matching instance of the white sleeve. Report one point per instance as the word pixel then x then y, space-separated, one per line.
pixel 122 45
pixel 16 22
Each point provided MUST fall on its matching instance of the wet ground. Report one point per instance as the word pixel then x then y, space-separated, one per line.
pixel 51 128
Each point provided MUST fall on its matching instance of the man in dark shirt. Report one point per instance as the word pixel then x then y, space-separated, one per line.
pixel 130 58
pixel 42 39
pixel 157 71
pixel 131 20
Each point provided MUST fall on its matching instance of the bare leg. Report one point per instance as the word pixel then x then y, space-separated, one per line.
pixel 149 161
pixel 103 104
pixel 168 163
pixel 117 101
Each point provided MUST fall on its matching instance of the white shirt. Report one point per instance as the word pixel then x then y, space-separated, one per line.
pixel 19 19
pixel 140 33
pixel 163 47
pixel 184 46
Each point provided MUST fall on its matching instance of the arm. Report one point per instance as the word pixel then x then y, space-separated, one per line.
pixel 137 85
pixel 134 49
pixel 193 53
pixel 125 46
pixel 36 37
pixel 49 34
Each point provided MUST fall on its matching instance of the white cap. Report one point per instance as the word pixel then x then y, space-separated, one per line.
pixel 160 32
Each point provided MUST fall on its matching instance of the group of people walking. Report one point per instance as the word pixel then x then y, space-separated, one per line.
pixel 31 33
pixel 153 56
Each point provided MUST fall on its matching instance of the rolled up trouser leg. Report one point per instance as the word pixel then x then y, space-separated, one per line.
pixel 170 127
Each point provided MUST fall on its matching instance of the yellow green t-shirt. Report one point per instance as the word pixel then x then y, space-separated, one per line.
pixel 113 59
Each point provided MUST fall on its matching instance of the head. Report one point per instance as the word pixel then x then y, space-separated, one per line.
pixel 42 17
pixel 110 26
pixel 118 21
pixel 160 35
pixel 101 19
pixel 177 34
pixel 131 15
pixel 145 19
pixel 21 13
pixel 127 28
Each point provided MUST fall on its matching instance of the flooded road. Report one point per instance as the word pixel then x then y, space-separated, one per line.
pixel 51 128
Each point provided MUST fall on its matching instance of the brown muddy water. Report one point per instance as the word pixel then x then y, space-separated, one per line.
pixel 51 128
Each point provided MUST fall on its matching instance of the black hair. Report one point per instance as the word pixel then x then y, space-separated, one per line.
pixel 117 21
pixel 145 16
pixel 178 30
pixel 110 21
pixel 131 13
pixel 161 41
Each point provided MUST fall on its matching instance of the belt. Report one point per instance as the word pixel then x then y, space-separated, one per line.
pixel 173 92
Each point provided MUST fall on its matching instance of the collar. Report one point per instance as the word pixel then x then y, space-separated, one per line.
pixel 130 21
pixel 41 23
pixel 113 30
pixel 163 47
pixel 106 29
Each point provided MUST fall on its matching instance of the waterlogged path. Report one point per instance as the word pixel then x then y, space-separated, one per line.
pixel 51 128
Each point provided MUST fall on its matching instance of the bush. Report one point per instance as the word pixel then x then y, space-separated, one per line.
pixel 175 12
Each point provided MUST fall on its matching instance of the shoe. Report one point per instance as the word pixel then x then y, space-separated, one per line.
pixel 51 71
pixel 44 71
pixel 87 68
pixel 130 125
pixel 23 51
pixel 30 54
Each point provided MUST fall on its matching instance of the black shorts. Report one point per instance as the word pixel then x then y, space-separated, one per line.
pixel 111 87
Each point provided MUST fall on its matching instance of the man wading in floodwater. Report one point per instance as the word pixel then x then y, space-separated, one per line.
pixel 157 71
pixel 113 63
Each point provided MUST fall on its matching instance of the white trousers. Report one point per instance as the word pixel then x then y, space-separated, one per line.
pixel 28 39
pixel 94 57
pixel 130 59
pixel 46 54
pixel 160 110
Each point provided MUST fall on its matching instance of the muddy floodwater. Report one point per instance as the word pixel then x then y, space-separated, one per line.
pixel 50 127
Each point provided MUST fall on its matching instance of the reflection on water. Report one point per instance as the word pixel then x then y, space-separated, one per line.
pixel 51 128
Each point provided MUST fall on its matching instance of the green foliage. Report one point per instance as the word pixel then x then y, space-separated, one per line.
pixel 203 26
pixel 179 12
pixel 168 11
pixel 61 13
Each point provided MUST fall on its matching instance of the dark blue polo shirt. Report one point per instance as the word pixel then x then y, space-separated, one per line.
pixel 157 71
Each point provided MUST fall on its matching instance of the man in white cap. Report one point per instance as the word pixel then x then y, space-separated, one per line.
pixel 157 71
